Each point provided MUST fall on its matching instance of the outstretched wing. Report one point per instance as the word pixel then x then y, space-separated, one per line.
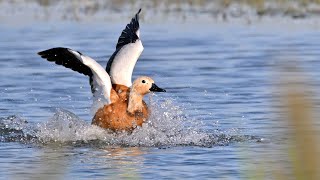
pixel 129 48
pixel 131 32
pixel 99 79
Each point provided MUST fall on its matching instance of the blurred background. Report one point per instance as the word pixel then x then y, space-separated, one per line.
pixel 242 81
pixel 156 10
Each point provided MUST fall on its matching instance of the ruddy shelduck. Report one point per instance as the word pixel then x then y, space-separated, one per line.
pixel 121 103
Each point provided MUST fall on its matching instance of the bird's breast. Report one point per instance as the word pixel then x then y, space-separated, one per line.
pixel 116 118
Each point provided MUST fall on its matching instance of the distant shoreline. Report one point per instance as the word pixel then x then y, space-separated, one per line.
pixel 155 11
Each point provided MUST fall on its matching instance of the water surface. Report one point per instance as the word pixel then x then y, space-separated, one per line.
pixel 219 113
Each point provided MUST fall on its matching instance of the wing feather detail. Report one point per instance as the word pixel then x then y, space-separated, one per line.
pixel 99 79
pixel 129 48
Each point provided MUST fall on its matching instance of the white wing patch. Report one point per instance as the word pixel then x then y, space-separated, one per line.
pixel 124 62
pixel 101 80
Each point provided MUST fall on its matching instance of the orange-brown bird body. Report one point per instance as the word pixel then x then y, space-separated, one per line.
pixel 128 110
pixel 116 117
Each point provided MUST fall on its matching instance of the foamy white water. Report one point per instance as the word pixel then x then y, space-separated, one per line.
pixel 168 125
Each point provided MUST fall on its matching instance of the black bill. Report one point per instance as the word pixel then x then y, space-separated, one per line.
pixel 155 88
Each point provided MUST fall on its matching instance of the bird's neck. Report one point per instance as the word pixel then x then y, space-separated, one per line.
pixel 135 103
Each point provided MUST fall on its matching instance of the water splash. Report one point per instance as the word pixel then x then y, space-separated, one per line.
pixel 167 126
pixel 15 128
pixel 65 126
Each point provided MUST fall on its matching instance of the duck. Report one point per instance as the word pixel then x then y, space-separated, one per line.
pixel 120 102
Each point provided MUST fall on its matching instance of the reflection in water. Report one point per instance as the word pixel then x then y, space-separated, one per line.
pixel 127 161
pixel 53 161
pixel 50 162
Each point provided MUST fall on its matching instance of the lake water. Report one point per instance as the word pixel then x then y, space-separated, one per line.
pixel 218 118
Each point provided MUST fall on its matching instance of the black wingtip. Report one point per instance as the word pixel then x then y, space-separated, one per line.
pixel 44 52
pixel 129 34
pixel 67 58
pixel 40 53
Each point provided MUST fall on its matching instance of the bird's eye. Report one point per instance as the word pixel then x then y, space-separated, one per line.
pixel 143 81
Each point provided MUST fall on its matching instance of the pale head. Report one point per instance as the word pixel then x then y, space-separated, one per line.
pixel 144 85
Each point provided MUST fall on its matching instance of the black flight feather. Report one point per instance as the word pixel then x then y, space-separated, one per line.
pixel 63 56
pixel 128 35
